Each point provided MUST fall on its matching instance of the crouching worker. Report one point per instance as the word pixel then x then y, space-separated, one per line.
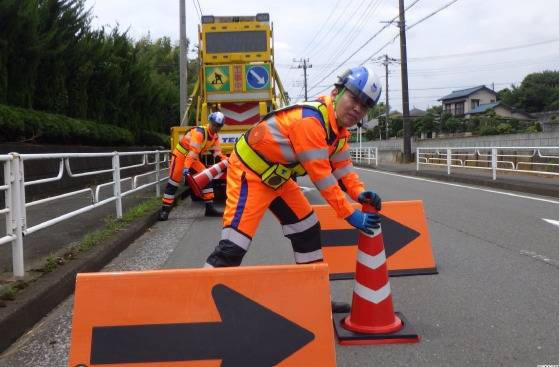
pixel 186 158
pixel 307 138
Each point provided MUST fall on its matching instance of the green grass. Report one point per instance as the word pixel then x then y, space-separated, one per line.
pixel 112 226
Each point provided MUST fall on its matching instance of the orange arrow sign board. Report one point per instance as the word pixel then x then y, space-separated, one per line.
pixel 405 234
pixel 246 316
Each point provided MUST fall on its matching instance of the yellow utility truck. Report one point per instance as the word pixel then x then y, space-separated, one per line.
pixel 237 76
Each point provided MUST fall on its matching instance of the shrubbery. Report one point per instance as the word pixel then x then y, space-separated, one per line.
pixel 22 125
pixel 488 130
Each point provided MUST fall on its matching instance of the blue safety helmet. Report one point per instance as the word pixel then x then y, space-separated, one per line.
pixel 362 82
pixel 217 119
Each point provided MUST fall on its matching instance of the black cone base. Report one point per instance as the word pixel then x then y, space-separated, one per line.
pixel 348 337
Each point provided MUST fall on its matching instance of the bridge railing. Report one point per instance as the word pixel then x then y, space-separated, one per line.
pixel 530 160
pixel 150 164
pixel 369 154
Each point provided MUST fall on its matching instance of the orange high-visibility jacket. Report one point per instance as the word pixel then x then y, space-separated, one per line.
pixel 303 134
pixel 195 142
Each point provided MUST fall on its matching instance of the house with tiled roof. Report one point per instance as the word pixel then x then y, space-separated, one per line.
pixel 460 101
pixel 500 109
pixel 416 112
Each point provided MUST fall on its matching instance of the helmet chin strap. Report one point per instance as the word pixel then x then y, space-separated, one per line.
pixel 340 93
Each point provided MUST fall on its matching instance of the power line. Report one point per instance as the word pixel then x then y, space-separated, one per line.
pixel 359 22
pixel 485 51
pixel 198 9
pixel 430 15
pixel 359 49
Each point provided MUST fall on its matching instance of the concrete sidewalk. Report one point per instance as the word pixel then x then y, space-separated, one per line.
pixel 45 291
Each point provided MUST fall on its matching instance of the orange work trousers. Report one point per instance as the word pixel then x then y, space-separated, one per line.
pixel 175 175
pixel 248 198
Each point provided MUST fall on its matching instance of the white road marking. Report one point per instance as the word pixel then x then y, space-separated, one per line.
pixel 551 221
pixel 461 186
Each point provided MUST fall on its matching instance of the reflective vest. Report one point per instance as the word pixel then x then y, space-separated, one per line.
pixel 275 174
pixel 191 148
pixel 186 138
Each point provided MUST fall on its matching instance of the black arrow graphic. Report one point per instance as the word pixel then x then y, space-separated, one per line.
pixel 394 235
pixel 249 335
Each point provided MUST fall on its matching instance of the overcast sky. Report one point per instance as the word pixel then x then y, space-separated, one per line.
pixel 451 44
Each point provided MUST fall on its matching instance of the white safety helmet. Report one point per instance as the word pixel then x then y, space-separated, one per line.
pixel 217 119
pixel 362 82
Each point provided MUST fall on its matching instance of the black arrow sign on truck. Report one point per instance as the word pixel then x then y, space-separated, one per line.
pixel 249 335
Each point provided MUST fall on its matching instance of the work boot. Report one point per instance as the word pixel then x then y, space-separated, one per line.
pixel 340 307
pixel 211 211
pixel 164 213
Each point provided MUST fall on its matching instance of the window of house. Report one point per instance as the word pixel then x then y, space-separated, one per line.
pixel 475 103
pixel 448 107
pixel 459 109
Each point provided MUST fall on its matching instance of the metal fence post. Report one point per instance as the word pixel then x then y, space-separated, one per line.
pixel 494 162
pixel 116 184
pixel 448 160
pixel 17 199
pixel 157 174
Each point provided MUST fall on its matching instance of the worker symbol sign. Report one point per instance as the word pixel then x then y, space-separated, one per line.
pixel 257 76
pixel 228 317
pixel 217 79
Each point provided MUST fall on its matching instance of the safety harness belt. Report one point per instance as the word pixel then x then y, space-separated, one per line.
pixel 276 174
pixel 272 174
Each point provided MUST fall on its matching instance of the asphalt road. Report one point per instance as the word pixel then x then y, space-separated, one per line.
pixel 493 302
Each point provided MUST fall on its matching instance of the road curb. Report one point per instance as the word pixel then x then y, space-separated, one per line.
pixel 47 292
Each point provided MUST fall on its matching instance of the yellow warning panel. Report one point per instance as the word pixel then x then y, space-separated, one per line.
pixel 272 315
pixel 405 236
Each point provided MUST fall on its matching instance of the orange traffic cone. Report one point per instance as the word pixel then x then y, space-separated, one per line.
pixel 200 180
pixel 372 319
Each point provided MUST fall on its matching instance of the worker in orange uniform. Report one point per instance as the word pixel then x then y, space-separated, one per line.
pixel 185 158
pixel 306 138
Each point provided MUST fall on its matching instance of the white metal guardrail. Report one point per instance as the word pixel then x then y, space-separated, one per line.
pixel 13 187
pixel 369 154
pixel 532 160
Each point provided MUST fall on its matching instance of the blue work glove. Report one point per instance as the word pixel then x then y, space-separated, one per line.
pixel 364 221
pixel 184 171
pixel 370 196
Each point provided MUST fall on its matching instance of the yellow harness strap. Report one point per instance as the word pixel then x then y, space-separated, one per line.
pixel 181 149
pixel 250 158
pixel 273 175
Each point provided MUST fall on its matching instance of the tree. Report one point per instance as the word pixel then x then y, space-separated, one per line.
pixel 62 26
pixel 51 60
pixel 20 45
pixel 538 92
pixel 425 124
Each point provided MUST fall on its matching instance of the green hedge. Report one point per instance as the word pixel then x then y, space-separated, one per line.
pixel 22 125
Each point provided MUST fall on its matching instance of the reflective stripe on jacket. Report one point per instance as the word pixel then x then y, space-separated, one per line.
pixel 303 134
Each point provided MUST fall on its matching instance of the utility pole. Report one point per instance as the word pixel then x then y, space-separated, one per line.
pixel 304 66
pixel 387 62
pixel 183 65
pixel 405 95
